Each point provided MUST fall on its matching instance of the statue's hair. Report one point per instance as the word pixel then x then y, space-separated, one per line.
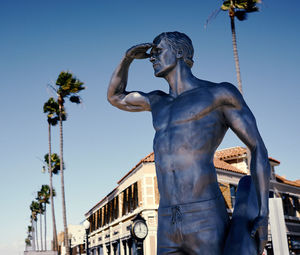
pixel 178 42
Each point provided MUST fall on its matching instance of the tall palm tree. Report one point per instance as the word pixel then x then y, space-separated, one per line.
pixel 68 86
pixel 41 210
pixel 28 240
pixel 238 9
pixel 51 108
pixel 35 208
pixel 32 231
pixel 43 198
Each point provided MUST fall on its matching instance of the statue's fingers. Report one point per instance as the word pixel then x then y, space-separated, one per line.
pixel 262 243
pixel 143 46
pixel 254 230
pixel 147 45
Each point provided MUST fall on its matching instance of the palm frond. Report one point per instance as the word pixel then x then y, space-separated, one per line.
pixel 68 85
pixel 55 162
pixel 212 16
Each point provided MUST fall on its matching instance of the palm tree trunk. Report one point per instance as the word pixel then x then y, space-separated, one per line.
pixel 60 101
pixel 33 236
pixel 55 248
pixel 36 236
pixel 235 53
pixel 45 228
pixel 41 232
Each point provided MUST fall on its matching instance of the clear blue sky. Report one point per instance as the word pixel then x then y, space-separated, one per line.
pixel 38 39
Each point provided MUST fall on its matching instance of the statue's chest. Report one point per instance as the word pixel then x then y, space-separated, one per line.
pixel 183 109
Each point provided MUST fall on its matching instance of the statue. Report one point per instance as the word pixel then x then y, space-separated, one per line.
pixel 190 123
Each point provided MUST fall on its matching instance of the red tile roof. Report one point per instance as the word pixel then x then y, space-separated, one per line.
pixel 275 160
pixel 217 162
pixel 148 158
pixel 231 152
pixel 283 180
pixel 95 206
pixel 220 164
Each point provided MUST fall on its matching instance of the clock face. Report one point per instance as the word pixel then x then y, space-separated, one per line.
pixel 140 229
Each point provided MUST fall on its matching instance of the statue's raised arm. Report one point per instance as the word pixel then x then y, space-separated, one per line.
pixel 117 95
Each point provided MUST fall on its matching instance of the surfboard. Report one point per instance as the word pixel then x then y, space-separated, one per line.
pixel 239 240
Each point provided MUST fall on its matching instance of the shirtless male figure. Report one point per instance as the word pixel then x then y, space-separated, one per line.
pixel 190 123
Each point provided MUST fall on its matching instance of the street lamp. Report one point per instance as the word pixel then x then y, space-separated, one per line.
pixel 86 225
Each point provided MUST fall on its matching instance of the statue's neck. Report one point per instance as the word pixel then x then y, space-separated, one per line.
pixel 180 79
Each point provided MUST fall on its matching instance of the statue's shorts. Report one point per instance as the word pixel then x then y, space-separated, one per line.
pixel 195 228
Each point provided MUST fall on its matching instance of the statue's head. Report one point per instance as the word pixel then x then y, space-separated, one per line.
pixel 179 43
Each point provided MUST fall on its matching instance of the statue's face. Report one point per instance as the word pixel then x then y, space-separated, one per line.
pixel 163 59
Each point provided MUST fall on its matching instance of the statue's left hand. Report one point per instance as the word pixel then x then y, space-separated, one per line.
pixel 139 51
pixel 260 232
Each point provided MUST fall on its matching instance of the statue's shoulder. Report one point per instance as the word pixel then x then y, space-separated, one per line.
pixel 227 89
pixel 228 93
pixel 157 95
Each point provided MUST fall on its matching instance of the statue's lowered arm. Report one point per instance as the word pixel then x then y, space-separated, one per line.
pixel 241 120
pixel 117 95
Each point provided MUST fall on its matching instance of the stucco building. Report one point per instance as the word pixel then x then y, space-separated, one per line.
pixel 137 194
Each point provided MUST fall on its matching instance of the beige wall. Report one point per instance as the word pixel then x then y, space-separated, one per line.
pixel 148 200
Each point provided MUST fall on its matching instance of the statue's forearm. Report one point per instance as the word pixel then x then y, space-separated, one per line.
pixel 260 171
pixel 119 79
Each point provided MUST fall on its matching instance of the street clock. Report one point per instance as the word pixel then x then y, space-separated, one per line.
pixel 139 229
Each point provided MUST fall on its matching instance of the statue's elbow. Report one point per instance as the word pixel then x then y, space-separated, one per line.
pixel 109 99
pixel 114 101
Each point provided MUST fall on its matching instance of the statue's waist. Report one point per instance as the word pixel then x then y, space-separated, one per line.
pixel 195 168
pixel 204 204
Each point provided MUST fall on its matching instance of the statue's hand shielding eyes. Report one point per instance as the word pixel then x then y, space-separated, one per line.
pixel 139 51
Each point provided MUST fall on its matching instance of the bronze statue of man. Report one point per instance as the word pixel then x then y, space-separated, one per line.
pixel 190 123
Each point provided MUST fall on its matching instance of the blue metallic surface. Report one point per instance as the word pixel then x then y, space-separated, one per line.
pixel 190 123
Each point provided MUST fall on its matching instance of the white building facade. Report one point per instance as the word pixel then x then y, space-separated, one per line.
pixel 137 194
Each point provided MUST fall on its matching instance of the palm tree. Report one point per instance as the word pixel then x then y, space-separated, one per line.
pixel 51 107
pixel 27 242
pixel 43 198
pixel 33 232
pixel 238 9
pixel 28 239
pixel 29 231
pixel 68 87
pixel 34 208
pixel 41 210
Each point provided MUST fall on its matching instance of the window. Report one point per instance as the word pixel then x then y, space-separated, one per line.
pixel 290 204
pixel 135 196
pixel 116 206
pixel 232 194
pixel 130 199
pixel 125 203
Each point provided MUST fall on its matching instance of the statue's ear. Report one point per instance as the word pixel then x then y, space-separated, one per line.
pixel 179 53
